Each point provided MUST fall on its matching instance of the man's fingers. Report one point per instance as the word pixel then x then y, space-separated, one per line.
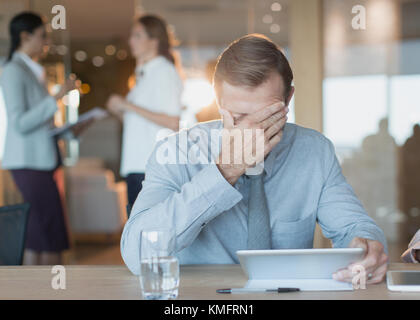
pixel 347 275
pixel 378 275
pixel 272 120
pixel 379 272
pixel 374 262
pixel 265 112
pixel 370 264
pixel 228 121
pixel 275 128
pixel 273 142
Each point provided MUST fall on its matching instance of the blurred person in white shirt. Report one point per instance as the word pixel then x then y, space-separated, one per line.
pixel 152 104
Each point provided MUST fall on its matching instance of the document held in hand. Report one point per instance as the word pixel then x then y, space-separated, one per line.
pixel 94 114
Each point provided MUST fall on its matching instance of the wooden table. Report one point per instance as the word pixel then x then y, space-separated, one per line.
pixel 197 282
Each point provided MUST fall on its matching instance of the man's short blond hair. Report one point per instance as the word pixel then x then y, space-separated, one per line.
pixel 249 61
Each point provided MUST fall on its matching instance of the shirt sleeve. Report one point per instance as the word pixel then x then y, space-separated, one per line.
pixel 168 91
pixel 410 254
pixel 341 215
pixel 24 119
pixel 171 199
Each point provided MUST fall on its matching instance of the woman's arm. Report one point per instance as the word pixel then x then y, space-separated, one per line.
pixel 23 119
pixel 164 120
pixel 118 104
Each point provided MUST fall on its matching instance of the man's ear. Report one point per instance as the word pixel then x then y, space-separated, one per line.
pixel 292 91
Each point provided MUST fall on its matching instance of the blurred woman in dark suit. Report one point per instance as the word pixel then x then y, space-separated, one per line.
pixel 31 153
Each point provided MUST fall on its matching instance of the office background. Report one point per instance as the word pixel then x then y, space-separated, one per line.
pixel 360 87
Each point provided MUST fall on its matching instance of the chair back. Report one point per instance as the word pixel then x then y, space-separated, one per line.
pixel 13 221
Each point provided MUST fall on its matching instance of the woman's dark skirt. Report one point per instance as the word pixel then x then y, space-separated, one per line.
pixel 46 227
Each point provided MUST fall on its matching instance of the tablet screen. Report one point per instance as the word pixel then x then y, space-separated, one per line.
pixel 408 278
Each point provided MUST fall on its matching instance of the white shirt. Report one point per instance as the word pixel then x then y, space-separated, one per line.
pixel 34 66
pixel 158 88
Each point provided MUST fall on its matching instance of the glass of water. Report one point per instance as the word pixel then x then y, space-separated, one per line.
pixel 159 269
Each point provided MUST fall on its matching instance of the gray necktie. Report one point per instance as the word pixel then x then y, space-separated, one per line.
pixel 259 232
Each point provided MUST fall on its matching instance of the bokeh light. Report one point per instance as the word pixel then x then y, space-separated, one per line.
pixel 85 88
pixel 268 18
pixel 98 61
pixel 274 28
pixel 122 54
pixel 61 49
pixel 110 50
pixel 275 6
pixel 80 55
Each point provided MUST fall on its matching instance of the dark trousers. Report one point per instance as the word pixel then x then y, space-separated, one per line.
pixel 134 184
pixel 46 228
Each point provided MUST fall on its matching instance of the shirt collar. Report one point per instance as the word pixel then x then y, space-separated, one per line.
pixel 141 70
pixel 34 66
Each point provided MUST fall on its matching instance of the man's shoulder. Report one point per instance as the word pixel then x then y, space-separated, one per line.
pixel 305 135
pixel 307 140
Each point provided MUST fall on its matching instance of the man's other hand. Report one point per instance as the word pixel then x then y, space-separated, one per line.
pixel 375 262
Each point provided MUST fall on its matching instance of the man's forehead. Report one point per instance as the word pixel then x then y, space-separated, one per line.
pixel 242 99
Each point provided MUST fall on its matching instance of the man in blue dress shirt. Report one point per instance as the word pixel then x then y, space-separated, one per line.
pixel 201 184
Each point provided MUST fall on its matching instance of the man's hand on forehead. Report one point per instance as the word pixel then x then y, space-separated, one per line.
pixel 267 115
pixel 270 120
pixel 263 118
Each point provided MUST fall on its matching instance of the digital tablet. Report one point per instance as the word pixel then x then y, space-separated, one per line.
pixel 403 280
pixel 296 263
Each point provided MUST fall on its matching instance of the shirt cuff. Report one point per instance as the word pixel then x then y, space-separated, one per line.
pixel 216 189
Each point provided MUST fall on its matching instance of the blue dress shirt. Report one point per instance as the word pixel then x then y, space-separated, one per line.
pixel 303 185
